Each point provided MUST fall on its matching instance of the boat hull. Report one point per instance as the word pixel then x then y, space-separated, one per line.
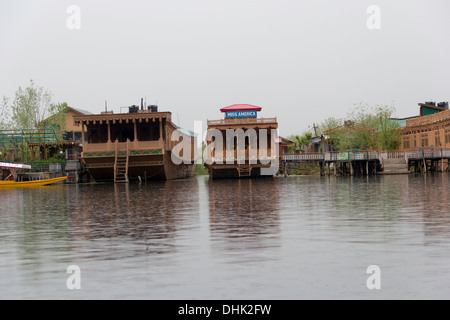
pixel 30 184
pixel 148 168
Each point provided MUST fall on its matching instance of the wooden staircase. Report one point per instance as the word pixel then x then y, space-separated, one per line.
pixel 121 165
pixel 244 170
pixel 395 166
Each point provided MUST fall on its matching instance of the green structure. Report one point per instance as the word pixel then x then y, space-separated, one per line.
pixel 25 145
pixel 10 138
pixel 429 108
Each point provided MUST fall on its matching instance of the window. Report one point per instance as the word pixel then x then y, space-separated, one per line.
pixel 148 131
pixel 425 140
pixel 406 144
pixel 97 133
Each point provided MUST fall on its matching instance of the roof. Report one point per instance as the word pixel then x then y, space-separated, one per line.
pixel 83 112
pixel 316 140
pixel 123 117
pixel 241 107
pixel 284 141
pixel 76 110
pixel 7 165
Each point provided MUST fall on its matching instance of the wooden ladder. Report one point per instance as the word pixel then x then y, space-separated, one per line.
pixel 244 170
pixel 121 165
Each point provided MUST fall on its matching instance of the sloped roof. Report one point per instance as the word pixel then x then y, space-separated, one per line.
pixel 241 107
pixel 82 112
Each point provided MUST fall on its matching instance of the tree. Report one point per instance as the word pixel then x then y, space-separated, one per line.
pixel 57 119
pixel 389 133
pixel 297 143
pixel 4 113
pixel 306 140
pixel 300 142
pixel 30 106
pixel 328 124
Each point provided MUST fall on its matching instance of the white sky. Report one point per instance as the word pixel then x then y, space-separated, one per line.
pixel 301 61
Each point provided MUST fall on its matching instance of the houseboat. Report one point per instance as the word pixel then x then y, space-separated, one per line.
pixel 132 146
pixel 241 144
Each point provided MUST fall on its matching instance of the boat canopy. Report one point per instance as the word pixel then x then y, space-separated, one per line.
pixel 6 165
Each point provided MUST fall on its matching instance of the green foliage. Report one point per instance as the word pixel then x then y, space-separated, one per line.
pixel 4 113
pixel 30 106
pixel 300 142
pixel 380 117
pixel 57 119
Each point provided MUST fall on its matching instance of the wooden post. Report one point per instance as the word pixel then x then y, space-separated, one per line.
pixel 334 167
pixel 367 168
pixel 82 136
pixel 160 129
pixel 109 131
pixel 351 168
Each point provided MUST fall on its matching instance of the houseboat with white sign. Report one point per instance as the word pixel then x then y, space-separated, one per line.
pixel 241 144
pixel 133 146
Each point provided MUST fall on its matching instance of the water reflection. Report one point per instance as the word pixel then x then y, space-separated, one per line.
pixel 244 214
pixel 146 217
pixel 34 225
pixel 431 198
pixel 196 238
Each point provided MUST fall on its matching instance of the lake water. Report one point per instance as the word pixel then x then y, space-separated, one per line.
pixel 280 238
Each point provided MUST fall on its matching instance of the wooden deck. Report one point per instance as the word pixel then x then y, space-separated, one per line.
pixel 370 162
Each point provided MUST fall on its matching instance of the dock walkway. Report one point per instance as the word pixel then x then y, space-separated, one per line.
pixel 358 162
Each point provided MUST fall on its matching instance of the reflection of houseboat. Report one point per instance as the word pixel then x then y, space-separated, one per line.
pixel 131 146
pixel 252 154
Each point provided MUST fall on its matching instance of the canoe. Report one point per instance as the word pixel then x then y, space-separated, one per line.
pixel 30 184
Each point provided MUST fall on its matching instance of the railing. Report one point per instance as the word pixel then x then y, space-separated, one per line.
pixel 242 121
pixel 428 154
pixel 233 160
pixel 122 146
pixel 369 155
pixel 392 155
pixel 47 166
pixel 351 155
pixel 303 157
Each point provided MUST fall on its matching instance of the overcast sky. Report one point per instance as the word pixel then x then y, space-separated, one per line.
pixel 301 61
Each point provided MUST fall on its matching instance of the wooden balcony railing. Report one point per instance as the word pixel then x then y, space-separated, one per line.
pixel 244 121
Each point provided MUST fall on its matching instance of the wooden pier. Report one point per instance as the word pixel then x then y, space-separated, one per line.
pixel 373 162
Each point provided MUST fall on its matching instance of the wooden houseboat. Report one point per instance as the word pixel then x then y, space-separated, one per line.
pixel 253 160
pixel 132 146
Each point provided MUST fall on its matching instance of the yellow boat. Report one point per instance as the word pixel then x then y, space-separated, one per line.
pixel 30 184
pixel 10 180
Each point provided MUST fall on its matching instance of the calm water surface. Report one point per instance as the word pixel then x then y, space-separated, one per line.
pixel 280 238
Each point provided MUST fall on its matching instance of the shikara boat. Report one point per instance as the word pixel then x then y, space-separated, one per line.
pixel 10 181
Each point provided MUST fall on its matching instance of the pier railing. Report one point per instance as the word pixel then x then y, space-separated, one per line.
pixel 428 154
pixel 351 155
pixel 355 155
pixel 242 121
pixel 303 156
pixel 392 155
